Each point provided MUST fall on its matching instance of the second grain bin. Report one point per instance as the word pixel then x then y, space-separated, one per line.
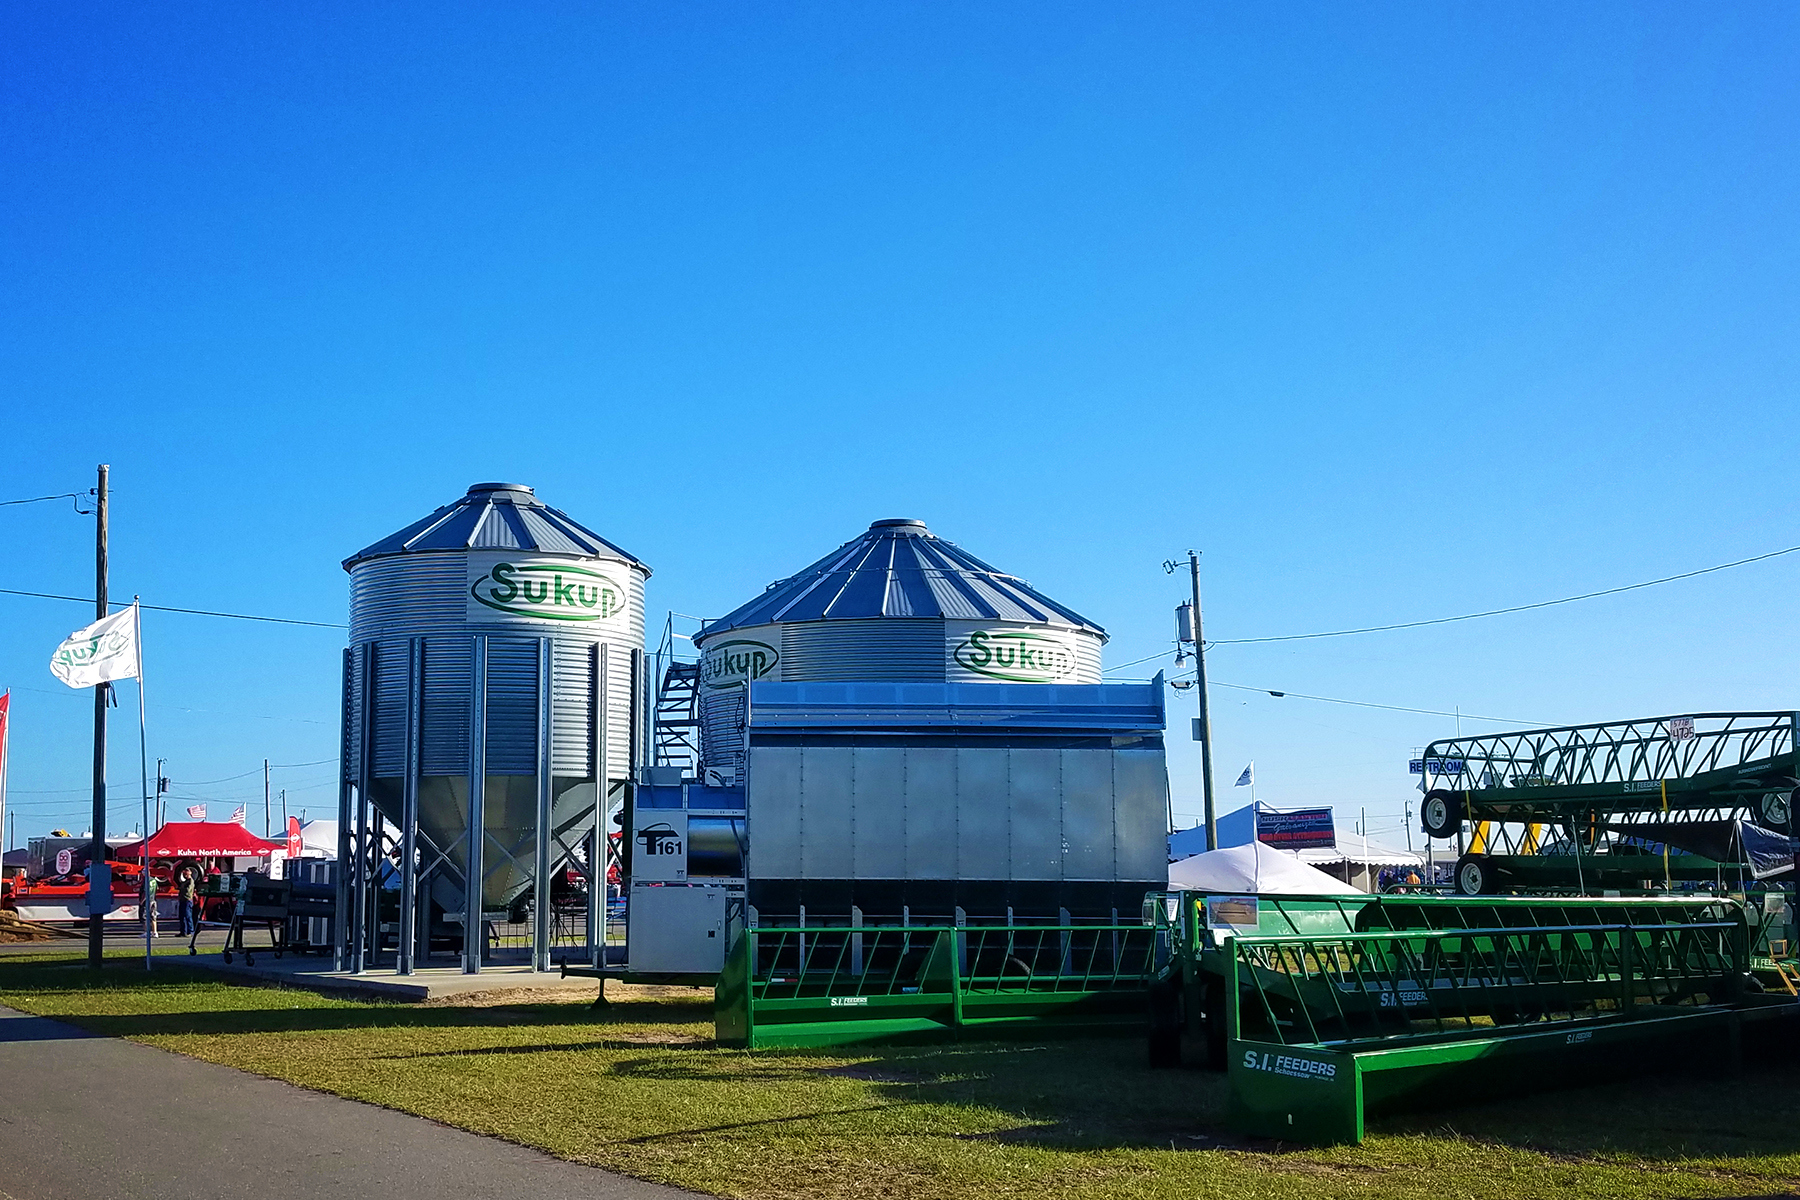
pixel 897 605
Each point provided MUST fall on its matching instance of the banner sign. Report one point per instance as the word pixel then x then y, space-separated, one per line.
pixel 1303 829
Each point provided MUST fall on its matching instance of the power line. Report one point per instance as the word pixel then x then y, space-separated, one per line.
pixel 78 497
pixel 1495 612
pixel 1430 712
pixel 192 612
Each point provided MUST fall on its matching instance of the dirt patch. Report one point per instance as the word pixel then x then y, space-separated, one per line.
pixel 12 929
pixel 616 993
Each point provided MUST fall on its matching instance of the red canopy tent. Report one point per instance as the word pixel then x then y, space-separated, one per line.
pixel 202 839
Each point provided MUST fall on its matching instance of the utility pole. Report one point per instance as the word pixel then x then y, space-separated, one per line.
pixel 97 847
pixel 1203 726
pixel 162 786
pixel 284 818
pixel 265 797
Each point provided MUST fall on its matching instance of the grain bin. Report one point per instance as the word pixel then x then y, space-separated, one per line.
pixel 501 615
pixel 897 604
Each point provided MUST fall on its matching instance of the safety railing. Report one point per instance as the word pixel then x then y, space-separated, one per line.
pixel 1643 751
pixel 1322 1029
pixel 1426 984
pixel 840 985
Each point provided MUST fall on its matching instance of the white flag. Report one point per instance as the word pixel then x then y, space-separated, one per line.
pixel 240 816
pixel 197 811
pixel 1247 778
pixel 103 651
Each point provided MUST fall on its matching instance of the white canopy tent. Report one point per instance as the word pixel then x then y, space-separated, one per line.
pixel 1253 869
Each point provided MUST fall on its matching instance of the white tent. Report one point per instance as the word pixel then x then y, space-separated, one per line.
pixel 1252 869
pixel 320 839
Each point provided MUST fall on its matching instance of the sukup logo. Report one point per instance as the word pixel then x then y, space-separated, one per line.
pixel 1016 656
pixel 549 592
pixel 728 664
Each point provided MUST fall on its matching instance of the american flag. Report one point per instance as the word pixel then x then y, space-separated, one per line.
pixel 241 815
pixel 197 811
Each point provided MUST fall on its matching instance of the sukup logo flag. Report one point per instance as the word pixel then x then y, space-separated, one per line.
pixel 548 591
pixel 1016 656
pixel 104 651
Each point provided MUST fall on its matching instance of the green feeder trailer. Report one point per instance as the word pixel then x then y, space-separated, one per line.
pixel 1697 798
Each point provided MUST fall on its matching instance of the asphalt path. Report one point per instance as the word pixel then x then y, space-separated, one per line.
pixel 96 1118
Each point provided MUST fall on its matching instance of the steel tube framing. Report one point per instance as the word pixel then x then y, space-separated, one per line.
pixel 540 875
pixel 596 907
pixel 474 875
pixel 365 770
pixel 348 737
pixel 405 948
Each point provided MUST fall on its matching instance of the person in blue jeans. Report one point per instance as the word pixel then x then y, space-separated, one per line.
pixel 190 905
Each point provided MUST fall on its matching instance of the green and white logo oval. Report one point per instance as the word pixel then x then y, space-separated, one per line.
pixel 729 664
pixel 549 592
pixel 1016 656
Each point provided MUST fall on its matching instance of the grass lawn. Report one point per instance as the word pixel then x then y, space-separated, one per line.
pixel 640 1089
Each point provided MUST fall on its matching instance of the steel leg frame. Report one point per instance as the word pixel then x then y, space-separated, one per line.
pixel 405 943
pixel 475 872
pixel 347 740
pixel 360 868
pixel 540 881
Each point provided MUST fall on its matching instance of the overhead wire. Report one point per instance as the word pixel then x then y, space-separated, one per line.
pixel 192 612
pixel 1517 608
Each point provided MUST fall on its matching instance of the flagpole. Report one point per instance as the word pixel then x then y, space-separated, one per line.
pixel 97 846
pixel 149 901
pixel 5 744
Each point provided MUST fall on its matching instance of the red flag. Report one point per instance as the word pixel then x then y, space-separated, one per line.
pixel 296 845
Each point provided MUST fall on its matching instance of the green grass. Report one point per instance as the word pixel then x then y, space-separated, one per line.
pixel 640 1089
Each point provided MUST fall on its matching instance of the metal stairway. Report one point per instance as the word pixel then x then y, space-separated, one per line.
pixel 677 741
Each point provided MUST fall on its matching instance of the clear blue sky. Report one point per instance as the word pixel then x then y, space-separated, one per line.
pixel 1395 312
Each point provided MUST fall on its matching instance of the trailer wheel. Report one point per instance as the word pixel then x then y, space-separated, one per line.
pixel 1775 809
pixel 1165 1024
pixel 1475 876
pixel 1442 813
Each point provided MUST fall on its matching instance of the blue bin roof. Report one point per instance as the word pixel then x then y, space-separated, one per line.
pixel 496 516
pixel 900 569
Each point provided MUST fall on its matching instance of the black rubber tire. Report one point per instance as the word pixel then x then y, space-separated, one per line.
pixel 1214 1019
pixel 1475 876
pixel 1441 813
pixel 1775 810
pixel 1165 1024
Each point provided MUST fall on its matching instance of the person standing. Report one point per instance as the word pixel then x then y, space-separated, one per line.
pixel 190 904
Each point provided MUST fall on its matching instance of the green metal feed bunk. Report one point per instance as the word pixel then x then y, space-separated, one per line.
pixel 1323 1008
pixel 1628 804
pixel 1187 991
pixel 839 986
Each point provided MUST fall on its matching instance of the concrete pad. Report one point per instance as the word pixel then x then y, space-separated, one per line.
pixel 314 973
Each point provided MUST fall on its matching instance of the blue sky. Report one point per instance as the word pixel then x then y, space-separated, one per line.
pixel 1393 311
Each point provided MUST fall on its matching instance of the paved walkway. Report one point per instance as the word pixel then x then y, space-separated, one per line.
pixel 94 1118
